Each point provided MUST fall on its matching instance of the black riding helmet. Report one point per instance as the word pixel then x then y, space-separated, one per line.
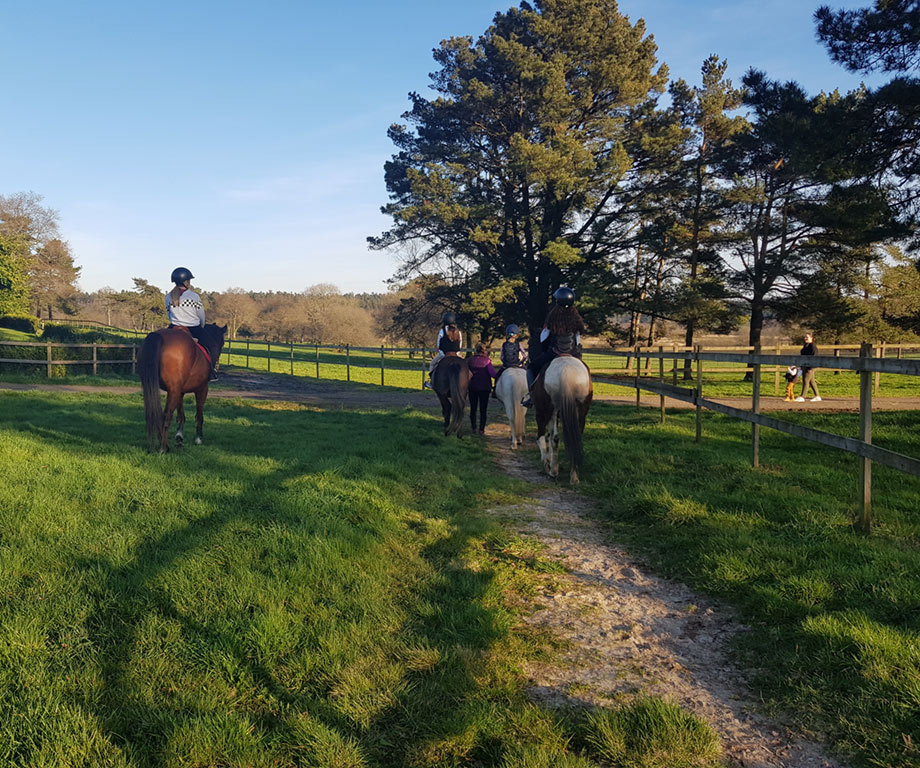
pixel 565 297
pixel 512 330
pixel 449 318
pixel 181 274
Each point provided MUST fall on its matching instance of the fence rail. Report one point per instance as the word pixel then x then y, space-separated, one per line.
pixel 304 359
pixel 867 364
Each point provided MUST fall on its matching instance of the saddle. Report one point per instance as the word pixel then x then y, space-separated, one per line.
pixel 207 355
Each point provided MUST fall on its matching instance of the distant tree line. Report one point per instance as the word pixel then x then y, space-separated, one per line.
pixel 556 151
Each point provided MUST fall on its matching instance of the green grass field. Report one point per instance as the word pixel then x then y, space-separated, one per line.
pixel 835 616
pixel 309 588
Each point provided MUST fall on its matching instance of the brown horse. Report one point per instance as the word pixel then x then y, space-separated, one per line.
pixel 451 382
pixel 171 360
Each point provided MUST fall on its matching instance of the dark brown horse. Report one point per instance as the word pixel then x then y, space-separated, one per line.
pixel 451 382
pixel 171 360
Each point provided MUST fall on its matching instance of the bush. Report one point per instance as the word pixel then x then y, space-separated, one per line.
pixel 66 333
pixel 24 323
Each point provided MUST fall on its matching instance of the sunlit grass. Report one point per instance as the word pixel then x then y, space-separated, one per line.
pixel 309 587
pixel 835 615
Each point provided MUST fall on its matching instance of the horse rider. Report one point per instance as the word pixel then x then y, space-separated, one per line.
pixel 444 343
pixel 561 335
pixel 512 354
pixel 185 310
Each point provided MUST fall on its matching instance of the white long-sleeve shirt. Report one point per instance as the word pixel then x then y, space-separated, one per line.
pixel 188 311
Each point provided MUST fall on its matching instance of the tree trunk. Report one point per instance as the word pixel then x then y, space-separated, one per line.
pixel 756 329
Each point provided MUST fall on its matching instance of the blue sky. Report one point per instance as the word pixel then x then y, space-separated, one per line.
pixel 247 141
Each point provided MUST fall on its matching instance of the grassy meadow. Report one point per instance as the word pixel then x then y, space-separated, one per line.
pixel 309 588
pixel 835 616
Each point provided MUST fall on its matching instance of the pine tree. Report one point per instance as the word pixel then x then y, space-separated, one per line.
pixel 510 179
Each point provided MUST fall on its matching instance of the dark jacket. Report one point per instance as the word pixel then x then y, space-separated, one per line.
pixel 809 349
pixel 482 373
pixel 446 345
pixel 511 354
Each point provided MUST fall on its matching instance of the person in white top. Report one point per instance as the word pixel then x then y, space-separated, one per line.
pixel 184 307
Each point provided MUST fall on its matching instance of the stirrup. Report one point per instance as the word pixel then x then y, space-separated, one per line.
pixel 527 400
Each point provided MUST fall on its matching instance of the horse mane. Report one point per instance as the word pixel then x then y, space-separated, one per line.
pixel 211 333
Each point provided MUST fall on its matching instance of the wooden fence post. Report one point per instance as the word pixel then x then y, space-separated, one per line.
pixel 422 356
pixel 292 358
pixel 674 369
pixel 755 408
pixel 134 359
pixel 878 375
pixel 381 364
pixel 864 522
pixel 95 361
pixel 348 362
pixel 776 373
pixel 247 353
pixel 49 359
pixel 661 379
pixel 269 357
pixel 317 362
pixel 638 369
pixel 699 393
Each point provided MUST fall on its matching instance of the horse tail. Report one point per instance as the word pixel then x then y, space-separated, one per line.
pixel 150 383
pixel 571 426
pixel 457 400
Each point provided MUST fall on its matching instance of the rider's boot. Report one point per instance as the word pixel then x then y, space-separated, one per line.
pixel 527 400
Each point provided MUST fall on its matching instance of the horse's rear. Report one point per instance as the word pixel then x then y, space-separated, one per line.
pixel 171 360
pixel 564 392
pixel 510 390
pixel 451 382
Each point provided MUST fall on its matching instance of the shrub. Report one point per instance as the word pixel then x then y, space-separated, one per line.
pixel 24 323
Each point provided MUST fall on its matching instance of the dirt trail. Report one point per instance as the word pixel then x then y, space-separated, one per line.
pixel 628 631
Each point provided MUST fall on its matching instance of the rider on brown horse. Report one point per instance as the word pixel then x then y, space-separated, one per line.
pixel 561 335
pixel 448 319
pixel 185 310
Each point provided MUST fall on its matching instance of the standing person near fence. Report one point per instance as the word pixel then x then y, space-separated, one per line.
pixel 481 375
pixel 808 374
pixel 185 310
pixel 448 320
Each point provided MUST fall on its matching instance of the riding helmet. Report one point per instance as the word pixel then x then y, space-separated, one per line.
pixel 449 318
pixel 181 274
pixel 512 330
pixel 565 297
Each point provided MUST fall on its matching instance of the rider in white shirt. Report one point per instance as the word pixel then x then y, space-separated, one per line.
pixel 185 309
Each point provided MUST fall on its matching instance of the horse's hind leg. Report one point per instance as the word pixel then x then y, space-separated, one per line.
pixel 554 460
pixel 173 401
pixel 200 396
pixel 180 424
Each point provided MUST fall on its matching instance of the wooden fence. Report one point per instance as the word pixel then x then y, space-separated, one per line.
pixel 868 364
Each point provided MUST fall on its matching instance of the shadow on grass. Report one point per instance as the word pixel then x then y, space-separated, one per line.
pixel 285 483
